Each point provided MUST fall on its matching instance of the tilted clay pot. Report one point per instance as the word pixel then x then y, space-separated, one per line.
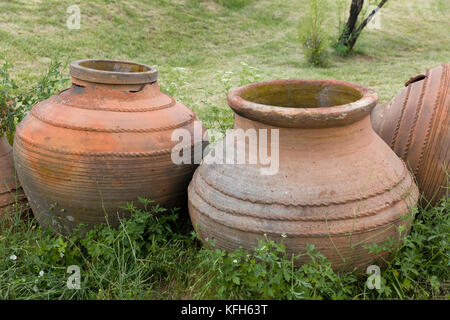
pixel 100 144
pixel 10 191
pixel 416 125
pixel 338 186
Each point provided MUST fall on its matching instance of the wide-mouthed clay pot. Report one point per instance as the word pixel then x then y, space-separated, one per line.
pixel 338 185
pixel 101 144
pixel 416 125
pixel 10 191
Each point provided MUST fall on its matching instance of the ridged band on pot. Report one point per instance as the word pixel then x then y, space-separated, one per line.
pixel 338 185
pixel 97 146
pixel 416 125
pixel 10 191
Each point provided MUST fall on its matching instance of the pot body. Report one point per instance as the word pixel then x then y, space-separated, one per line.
pixel 416 125
pixel 337 187
pixel 97 146
pixel 10 191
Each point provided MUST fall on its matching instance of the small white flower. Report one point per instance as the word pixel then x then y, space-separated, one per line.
pixel 13 257
pixel 41 273
pixel 61 254
pixel 235 261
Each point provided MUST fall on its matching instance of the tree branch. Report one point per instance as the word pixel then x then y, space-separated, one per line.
pixel 350 26
pixel 355 34
pixel 370 16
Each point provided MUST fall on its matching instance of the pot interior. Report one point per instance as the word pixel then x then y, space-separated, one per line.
pixel 114 66
pixel 302 94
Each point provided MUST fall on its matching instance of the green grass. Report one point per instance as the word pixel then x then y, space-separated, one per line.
pixel 156 255
pixel 208 40
pixel 202 49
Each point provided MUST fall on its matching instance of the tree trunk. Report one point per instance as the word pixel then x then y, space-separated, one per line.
pixel 351 33
pixel 350 26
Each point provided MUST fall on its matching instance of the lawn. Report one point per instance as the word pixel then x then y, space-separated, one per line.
pixel 202 48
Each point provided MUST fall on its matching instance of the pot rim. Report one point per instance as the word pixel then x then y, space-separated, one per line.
pixel 291 117
pixel 79 70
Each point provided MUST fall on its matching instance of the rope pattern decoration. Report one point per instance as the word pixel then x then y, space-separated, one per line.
pixel 397 128
pixel 24 140
pixel 441 95
pixel 308 204
pixel 122 109
pixel 387 221
pixel 412 129
pixel 35 113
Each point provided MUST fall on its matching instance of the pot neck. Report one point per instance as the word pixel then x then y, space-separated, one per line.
pixel 133 88
pixel 115 72
pixel 360 129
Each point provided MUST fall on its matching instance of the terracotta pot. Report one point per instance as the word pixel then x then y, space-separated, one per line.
pixel 338 186
pixel 10 191
pixel 100 144
pixel 416 125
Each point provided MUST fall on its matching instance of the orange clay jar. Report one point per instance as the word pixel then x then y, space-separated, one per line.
pixel 338 185
pixel 100 144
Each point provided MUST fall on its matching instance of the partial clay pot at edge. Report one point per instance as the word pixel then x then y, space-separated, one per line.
pixel 339 186
pixel 101 144
pixel 10 191
pixel 416 125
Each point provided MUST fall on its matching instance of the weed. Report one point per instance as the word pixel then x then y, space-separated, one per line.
pixel 15 105
pixel 155 254
pixel 312 32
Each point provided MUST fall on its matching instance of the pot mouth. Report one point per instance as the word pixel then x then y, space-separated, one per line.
pixel 113 71
pixel 303 103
